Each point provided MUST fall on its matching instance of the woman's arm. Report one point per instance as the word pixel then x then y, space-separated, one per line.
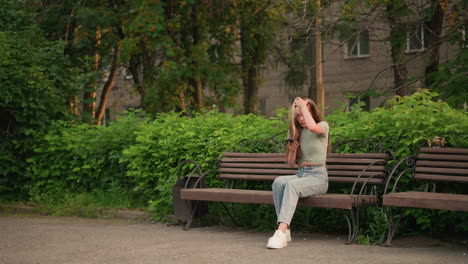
pixel 292 151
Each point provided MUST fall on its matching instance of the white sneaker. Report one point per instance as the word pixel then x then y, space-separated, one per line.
pixel 278 240
pixel 288 235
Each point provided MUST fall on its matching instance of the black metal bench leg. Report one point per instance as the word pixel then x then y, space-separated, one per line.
pixel 353 225
pixel 392 225
pixel 192 211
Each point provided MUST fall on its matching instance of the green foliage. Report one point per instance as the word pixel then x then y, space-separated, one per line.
pixel 404 123
pixel 374 229
pixel 162 144
pixel 134 155
pixel 36 82
pixel 97 203
pixel 450 80
pixel 81 157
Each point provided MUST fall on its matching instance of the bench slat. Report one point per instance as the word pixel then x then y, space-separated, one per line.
pixel 444 150
pixel 445 178
pixel 265 177
pixel 339 201
pixel 441 157
pixel 348 180
pixel 259 171
pixel 248 177
pixel 330 155
pixel 254 155
pixel 282 160
pixel 257 165
pixel 355 167
pixel 292 172
pixel 358 155
pixel 444 164
pixel 442 171
pixel 331 161
pixel 441 201
pixel 286 166
pixel 256 160
pixel 356 173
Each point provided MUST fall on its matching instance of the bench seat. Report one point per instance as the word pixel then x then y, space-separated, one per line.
pixel 428 200
pixel 337 201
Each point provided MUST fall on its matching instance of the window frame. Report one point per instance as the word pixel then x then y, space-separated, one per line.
pixel 422 34
pixel 357 42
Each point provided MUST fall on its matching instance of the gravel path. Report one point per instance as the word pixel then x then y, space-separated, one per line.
pixel 48 240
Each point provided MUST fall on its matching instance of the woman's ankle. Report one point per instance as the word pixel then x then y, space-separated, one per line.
pixel 283 227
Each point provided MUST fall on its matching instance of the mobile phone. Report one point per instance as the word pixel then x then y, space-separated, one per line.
pixel 289 140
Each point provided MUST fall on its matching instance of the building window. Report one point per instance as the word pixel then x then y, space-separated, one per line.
pixel 358 45
pixel 417 38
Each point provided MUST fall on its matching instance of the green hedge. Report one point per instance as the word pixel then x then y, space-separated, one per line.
pixel 170 139
pixel 81 158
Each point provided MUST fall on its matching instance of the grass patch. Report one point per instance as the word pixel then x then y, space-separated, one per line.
pixel 95 204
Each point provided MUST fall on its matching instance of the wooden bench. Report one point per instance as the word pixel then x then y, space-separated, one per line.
pixel 361 171
pixel 431 165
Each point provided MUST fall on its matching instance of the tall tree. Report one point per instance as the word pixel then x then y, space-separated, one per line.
pixel 87 28
pixel 36 82
pixel 398 35
pixel 257 24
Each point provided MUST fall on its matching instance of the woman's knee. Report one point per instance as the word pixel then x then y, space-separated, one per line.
pixel 279 183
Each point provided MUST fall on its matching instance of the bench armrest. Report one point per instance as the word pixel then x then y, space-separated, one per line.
pixel 196 171
pixel 409 161
pixel 362 172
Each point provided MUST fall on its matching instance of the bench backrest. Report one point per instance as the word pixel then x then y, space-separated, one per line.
pixel 342 167
pixel 442 164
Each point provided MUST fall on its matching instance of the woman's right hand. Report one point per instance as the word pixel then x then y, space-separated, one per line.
pixel 292 146
pixel 291 155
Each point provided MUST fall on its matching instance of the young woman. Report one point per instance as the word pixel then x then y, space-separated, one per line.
pixel 308 145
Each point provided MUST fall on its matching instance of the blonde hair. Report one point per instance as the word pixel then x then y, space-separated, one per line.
pixel 295 128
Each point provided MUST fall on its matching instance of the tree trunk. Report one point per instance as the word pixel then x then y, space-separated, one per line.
pixel 134 70
pixel 109 85
pixel 249 73
pixel 89 97
pixel 435 29
pixel 183 106
pixel 318 65
pixel 133 67
pixel 197 82
pixel 74 100
pixel 398 42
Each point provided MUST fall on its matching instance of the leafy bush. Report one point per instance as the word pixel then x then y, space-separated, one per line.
pixel 36 82
pixel 404 123
pixel 81 158
pixel 170 139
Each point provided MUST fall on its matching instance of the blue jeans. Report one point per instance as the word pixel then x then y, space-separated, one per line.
pixel 287 190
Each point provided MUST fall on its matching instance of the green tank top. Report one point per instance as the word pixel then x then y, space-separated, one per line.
pixel 313 146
